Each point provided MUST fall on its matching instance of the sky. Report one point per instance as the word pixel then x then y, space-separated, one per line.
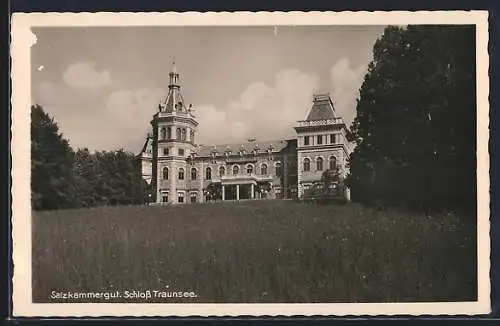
pixel 102 85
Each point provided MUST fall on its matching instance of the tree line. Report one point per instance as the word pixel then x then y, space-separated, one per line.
pixel 64 178
pixel 415 124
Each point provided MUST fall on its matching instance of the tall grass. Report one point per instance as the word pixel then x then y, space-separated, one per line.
pixel 267 251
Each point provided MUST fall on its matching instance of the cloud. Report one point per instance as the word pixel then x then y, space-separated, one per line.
pixel 84 76
pixel 346 82
pixel 130 111
pixel 262 111
pixel 120 119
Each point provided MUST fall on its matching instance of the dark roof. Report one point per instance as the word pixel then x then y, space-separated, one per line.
pixel 248 147
pixel 322 108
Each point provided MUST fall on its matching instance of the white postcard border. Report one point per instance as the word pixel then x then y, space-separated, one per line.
pixel 23 39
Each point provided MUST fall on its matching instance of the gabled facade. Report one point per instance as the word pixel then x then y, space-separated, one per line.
pixel 181 171
pixel 321 143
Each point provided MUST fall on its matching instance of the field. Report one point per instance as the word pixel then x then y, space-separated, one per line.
pixel 261 251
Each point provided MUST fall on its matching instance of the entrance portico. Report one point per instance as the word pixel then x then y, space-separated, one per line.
pixel 239 187
pixel 237 191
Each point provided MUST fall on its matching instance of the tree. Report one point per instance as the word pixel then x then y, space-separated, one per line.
pixel 214 191
pixel 415 124
pixel 52 179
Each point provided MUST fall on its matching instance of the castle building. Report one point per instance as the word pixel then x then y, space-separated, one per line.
pixel 179 170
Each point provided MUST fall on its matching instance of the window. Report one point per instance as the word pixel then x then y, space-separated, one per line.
pixel 222 171
pixel 163 133
pixel 164 198
pixel 184 134
pixel 333 163
pixel 181 151
pixel 208 173
pixel 181 174
pixel 165 151
pixel 236 169
pixel 165 173
pixel 263 169
pixel 278 169
pixel 192 136
pixel 180 196
pixel 319 139
pixel 332 139
pixel 178 133
pixel 307 164
pixel 319 164
pixel 193 174
pixel 193 197
pixel 169 132
pixel 306 140
pixel 249 169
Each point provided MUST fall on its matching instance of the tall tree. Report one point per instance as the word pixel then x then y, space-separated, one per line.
pixel 416 118
pixel 52 183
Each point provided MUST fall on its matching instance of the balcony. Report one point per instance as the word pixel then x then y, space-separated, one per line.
pixel 244 177
pixel 325 122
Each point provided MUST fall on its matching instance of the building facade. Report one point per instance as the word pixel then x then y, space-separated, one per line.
pixel 179 170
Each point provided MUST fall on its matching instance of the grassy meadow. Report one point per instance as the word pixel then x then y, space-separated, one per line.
pixel 256 252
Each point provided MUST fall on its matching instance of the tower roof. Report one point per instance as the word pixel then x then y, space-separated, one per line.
pixel 174 100
pixel 322 108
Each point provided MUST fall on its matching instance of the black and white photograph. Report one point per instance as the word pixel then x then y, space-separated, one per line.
pixel 250 164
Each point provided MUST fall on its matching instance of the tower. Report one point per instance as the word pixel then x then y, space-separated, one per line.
pixel 174 130
pixel 321 143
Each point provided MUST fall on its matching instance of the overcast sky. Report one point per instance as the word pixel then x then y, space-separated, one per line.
pixel 102 85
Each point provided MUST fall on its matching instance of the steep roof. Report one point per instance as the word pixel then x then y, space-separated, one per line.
pixel 322 108
pixel 147 143
pixel 248 147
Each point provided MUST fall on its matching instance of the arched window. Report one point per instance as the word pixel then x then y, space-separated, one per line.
pixel 249 169
pixel 178 134
pixel 307 164
pixel 163 133
pixel 181 174
pixel 263 169
pixel 192 136
pixel 165 173
pixel 319 164
pixel 169 133
pixel 193 174
pixel 333 163
pixel 278 169
pixel 184 134
pixel 208 173
pixel 222 171
pixel 236 169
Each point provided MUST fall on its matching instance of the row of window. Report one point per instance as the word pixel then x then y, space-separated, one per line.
pixel 332 164
pixel 180 134
pixel 166 151
pixel 320 139
pixel 222 171
pixel 180 197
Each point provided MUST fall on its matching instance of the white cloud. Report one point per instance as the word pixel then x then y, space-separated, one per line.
pixel 121 120
pixel 84 75
pixel 346 82
pixel 129 113
pixel 263 112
